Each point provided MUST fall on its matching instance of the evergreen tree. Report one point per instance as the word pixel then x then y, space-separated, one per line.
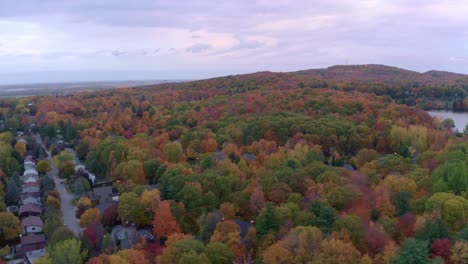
pixel 413 251
pixel 267 220
pixel 12 192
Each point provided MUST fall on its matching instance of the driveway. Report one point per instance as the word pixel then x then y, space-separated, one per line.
pixel 66 206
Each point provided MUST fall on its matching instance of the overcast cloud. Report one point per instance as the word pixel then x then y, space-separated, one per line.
pixel 52 40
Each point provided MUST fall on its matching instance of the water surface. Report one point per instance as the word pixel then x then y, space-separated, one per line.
pixel 460 119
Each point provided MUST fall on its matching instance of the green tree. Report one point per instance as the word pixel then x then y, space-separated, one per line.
pixel 81 186
pixel 433 229
pixel 68 251
pixel 451 176
pixel 218 253
pixel 267 220
pixel 339 197
pixel 60 234
pixel 66 169
pixel 173 151
pixel 174 252
pixel 325 216
pixel 193 257
pixel 10 228
pixel 402 203
pixel 151 168
pixel 413 251
pixel 12 192
pixel 130 209
pixel 353 224
pixel 43 166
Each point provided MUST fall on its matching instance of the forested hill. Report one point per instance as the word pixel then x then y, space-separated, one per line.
pixel 383 74
pixel 264 167
pixel 430 90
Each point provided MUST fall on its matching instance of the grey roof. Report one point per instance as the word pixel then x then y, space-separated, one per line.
pixel 32 239
pixel 32 221
pixel 30 208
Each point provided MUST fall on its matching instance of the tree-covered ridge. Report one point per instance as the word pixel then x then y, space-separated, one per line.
pixel 265 167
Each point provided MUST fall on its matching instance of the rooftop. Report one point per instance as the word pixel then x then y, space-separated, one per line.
pixel 31 221
pixel 28 208
pixel 32 256
pixel 32 239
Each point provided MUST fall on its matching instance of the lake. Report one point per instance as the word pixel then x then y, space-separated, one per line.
pixel 459 118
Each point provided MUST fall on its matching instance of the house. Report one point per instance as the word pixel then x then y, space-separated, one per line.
pixel 32 256
pixel 29 158
pixel 32 224
pixel 22 140
pixel 30 172
pixel 31 200
pixel 29 165
pixel 30 178
pixel 103 194
pixel 30 184
pixel 244 227
pixel 29 210
pixel 30 187
pixel 31 242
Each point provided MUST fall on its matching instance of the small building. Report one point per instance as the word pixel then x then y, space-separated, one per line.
pixel 244 227
pixel 32 256
pixel 103 194
pixel 80 167
pixel 91 177
pixel 12 209
pixel 31 242
pixel 29 210
pixel 32 224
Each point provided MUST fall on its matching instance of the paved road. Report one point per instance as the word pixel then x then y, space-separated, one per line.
pixel 66 206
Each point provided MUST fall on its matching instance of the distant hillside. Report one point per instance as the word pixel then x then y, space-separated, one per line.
pixel 381 73
pixel 430 90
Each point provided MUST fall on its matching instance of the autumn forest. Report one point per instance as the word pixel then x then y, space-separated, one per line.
pixel 338 165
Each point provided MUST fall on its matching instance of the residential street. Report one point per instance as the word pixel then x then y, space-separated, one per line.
pixel 68 210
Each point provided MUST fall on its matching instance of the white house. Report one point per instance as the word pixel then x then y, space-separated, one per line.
pixel 32 224
pixel 29 165
pixel 31 172
pixel 30 178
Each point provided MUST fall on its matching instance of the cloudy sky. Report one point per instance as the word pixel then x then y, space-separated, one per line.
pixel 71 40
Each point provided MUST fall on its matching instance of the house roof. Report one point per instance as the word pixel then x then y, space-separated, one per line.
pixel 32 221
pixel 30 184
pixel 32 256
pixel 30 171
pixel 32 239
pixel 30 208
pixel 29 200
pixel 29 178
pixel 30 190
pixel 244 227
pixel 34 195
pixel 103 191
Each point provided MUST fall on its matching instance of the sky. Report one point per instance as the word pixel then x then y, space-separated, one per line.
pixel 91 40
